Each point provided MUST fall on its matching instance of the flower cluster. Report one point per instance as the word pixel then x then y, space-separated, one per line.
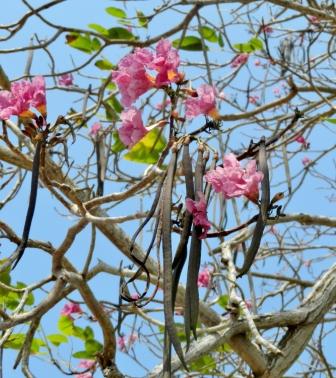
pixel 23 96
pixel 132 76
pixel 234 181
pixel 95 128
pixel 199 213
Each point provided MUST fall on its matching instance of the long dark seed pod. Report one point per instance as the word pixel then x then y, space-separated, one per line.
pixel 181 251
pixel 262 217
pixel 101 164
pixel 167 259
pixel 191 294
pixel 32 201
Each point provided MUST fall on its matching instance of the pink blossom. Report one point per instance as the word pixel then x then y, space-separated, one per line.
pixel 306 161
pixel 276 91
pixel 132 128
pixel 204 103
pixel 257 62
pixel 66 80
pixel 302 140
pixel 163 105
pixel 131 76
pixel 86 364
pixel 135 296
pixel 84 375
pixel 71 308
pixel 95 129
pixel 233 181
pixel 22 96
pixel 204 278
pixel 199 213
pixel 248 304
pixel 165 62
pixel 126 342
pixel 222 95
pixel 253 99
pixel 267 29
pixel 314 20
pixel 121 341
pixel 239 60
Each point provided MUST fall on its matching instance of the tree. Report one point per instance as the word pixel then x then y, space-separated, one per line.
pixel 182 188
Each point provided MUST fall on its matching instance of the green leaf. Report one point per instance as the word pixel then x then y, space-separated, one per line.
pixel 331 120
pixel 79 42
pixel 36 344
pixel 88 333
pixel 254 44
pixel 104 64
pixel 83 354
pixel 113 101
pixel 95 44
pixel 15 341
pixel 190 43
pixel 57 339
pixel 118 145
pixel 224 348
pixel 142 19
pixel 99 29
pixel 5 278
pixel 208 33
pixel 93 346
pixel 120 33
pixel 148 149
pixel 65 325
pixel 205 364
pixel 12 300
pixel 223 301
pixel 220 40
pixel 116 12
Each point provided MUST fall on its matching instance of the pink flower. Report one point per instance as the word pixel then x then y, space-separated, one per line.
pixel 86 364
pixel 314 20
pixel 253 99
pixel 23 96
pixel 221 96
pixel 131 76
pixel 204 103
pixel 84 375
pixel 71 308
pixel 257 62
pixel 163 105
pixel 204 278
pixel 233 181
pixel 165 62
pixel 300 139
pixel 199 213
pixel 132 129
pixel 248 304
pixel 276 91
pixel 306 161
pixel 122 343
pixel 133 337
pixel 267 29
pixel 239 60
pixel 95 129
pixel 135 296
pixel 66 80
